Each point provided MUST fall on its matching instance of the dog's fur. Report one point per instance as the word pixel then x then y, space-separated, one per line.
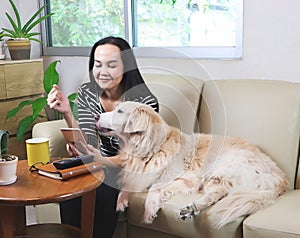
pixel 229 173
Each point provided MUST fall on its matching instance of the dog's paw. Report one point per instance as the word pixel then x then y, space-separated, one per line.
pixel 188 212
pixel 149 215
pixel 148 219
pixel 121 207
pixel 122 204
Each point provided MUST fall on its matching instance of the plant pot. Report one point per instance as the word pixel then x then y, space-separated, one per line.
pixel 2 55
pixel 8 169
pixel 19 49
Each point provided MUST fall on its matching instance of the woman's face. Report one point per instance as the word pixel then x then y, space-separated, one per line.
pixel 108 66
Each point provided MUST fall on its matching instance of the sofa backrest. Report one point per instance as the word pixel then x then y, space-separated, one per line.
pixel 265 112
pixel 179 98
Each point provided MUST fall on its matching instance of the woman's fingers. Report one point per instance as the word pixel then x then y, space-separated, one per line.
pixel 58 101
pixel 81 147
pixel 72 150
pixel 54 97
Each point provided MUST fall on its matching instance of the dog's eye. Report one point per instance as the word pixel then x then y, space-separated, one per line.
pixel 120 111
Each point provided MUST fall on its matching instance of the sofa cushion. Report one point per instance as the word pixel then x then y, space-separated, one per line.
pixel 179 98
pixel 265 112
pixel 167 222
pixel 277 221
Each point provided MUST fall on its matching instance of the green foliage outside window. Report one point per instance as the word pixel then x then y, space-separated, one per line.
pixel 82 22
pixel 155 22
pixel 160 23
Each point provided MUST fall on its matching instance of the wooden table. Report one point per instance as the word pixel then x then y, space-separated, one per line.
pixel 32 189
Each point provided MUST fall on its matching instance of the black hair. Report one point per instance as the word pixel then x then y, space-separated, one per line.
pixel 131 75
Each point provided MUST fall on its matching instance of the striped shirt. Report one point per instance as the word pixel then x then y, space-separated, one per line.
pixel 89 105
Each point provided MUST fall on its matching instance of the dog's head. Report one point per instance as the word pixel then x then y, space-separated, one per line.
pixel 141 129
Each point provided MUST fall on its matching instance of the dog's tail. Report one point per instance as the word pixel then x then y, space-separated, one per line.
pixel 239 204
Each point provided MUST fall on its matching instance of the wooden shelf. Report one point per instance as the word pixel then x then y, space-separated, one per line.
pixel 19 80
pixel 6 61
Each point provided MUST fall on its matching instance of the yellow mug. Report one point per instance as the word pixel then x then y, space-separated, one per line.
pixel 37 150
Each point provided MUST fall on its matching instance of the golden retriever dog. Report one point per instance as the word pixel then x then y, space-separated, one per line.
pixel 232 176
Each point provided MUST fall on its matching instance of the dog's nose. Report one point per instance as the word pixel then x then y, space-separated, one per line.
pixel 96 117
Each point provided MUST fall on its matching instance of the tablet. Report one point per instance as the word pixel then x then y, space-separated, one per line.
pixel 73 135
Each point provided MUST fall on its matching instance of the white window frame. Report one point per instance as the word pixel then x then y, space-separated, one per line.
pixel 208 52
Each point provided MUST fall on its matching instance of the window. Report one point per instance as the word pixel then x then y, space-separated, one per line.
pixel 187 28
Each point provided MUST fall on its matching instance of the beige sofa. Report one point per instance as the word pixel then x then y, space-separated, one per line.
pixel 265 112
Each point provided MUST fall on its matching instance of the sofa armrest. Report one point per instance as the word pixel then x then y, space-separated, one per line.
pixel 51 130
pixel 278 220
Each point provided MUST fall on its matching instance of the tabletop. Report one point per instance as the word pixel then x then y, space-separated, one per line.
pixel 32 188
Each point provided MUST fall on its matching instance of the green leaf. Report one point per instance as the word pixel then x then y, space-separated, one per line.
pixel 16 14
pixel 35 40
pixel 73 105
pixel 32 19
pixel 24 126
pixel 36 22
pixel 33 34
pixel 74 109
pixel 51 76
pixel 11 32
pixel 38 105
pixel 72 96
pixel 14 111
pixel 13 24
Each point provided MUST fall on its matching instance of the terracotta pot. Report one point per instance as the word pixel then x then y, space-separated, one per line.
pixel 19 48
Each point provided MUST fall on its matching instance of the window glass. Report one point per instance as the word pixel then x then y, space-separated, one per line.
pixel 82 22
pixel 195 28
pixel 198 23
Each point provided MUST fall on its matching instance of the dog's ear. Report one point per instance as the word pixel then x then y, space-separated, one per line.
pixel 138 120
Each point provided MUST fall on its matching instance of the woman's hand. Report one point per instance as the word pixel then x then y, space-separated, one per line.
pixel 84 149
pixel 113 161
pixel 58 101
pixel 72 150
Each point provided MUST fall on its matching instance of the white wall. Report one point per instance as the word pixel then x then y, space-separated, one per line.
pixel 271 48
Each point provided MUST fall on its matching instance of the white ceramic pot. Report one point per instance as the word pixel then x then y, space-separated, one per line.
pixel 8 169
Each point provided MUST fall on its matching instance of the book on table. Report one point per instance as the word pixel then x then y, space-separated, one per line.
pixel 51 171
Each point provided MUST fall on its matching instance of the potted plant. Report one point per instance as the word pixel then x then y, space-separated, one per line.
pixel 2 55
pixel 20 35
pixel 8 169
pixel 8 163
pixel 51 77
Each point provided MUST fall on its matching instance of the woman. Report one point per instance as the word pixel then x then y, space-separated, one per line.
pixel 114 77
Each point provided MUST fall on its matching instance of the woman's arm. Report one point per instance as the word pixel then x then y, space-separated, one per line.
pixel 58 101
pixel 111 161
